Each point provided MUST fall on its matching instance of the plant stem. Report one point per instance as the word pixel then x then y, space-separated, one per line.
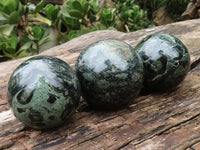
pixel 126 27
pixel 37 48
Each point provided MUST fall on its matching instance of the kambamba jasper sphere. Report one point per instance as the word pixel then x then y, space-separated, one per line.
pixel 166 61
pixel 44 92
pixel 110 73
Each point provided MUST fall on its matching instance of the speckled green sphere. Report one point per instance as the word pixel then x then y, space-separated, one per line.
pixel 110 73
pixel 43 92
pixel 166 61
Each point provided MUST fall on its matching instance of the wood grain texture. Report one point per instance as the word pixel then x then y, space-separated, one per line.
pixel 156 121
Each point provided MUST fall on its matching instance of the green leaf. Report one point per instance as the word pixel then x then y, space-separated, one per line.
pixel 76 5
pixel 76 14
pixel 25 47
pixel 86 7
pixel 10 5
pixel 23 54
pixel 21 9
pixel 47 40
pixel 108 16
pixel 42 19
pixel 24 2
pixel 72 34
pixel 94 5
pixel 59 24
pixel 69 3
pixel 68 21
pixel 25 38
pixel 36 32
pixel 75 9
pixel 112 11
pixel 12 47
pixel 6 54
pixel 9 45
pixel 14 17
pixel 6 29
pixel 100 27
pixel 3 18
pixel 65 11
pixel 51 11
pixel 3 2
pixel 47 31
pixel 39 7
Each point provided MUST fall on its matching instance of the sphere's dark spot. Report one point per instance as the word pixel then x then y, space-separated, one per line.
pixel 35 116
pixel 67 111
pixel 57 90
pixel 22 99
pixel 46 109
pixel 145 57
pixel 21 110
pixel 52 117
pixel 52 98
pixel 164 61
pixel 39 124
pixel 176 65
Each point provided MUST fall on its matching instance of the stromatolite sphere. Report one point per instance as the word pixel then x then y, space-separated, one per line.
pixel 44 92
pixel 110 73
pixel 166 61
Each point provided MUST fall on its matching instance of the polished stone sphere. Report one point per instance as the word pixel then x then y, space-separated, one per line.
pixel 110 73
pixel 43 92
pixel 166 61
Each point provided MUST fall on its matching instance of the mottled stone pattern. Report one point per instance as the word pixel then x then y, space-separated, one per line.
pixel 110 73
pixel 43 92
pixel 166 61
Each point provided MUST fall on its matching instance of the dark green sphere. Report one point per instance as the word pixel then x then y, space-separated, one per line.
pixel 43 92
pixel 110 73
pixel 166 61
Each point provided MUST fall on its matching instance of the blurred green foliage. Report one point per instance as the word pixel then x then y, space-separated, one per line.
pixel 25 28
pixel 18 38
pixel 131 15
pixel 174 7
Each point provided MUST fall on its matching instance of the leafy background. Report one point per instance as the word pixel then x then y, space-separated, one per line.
pixel 27 29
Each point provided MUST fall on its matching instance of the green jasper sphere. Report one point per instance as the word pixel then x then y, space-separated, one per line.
pixel 166 61
pixel 43 92
pixel 110 73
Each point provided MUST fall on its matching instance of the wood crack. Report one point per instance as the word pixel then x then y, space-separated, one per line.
pixel 188 144
pixel 154 133
pixel 178 124
pixel 195 63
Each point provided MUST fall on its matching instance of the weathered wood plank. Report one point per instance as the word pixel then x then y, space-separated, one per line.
pixel 156 121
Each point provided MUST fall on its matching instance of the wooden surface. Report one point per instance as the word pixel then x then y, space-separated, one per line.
pixel 156 121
